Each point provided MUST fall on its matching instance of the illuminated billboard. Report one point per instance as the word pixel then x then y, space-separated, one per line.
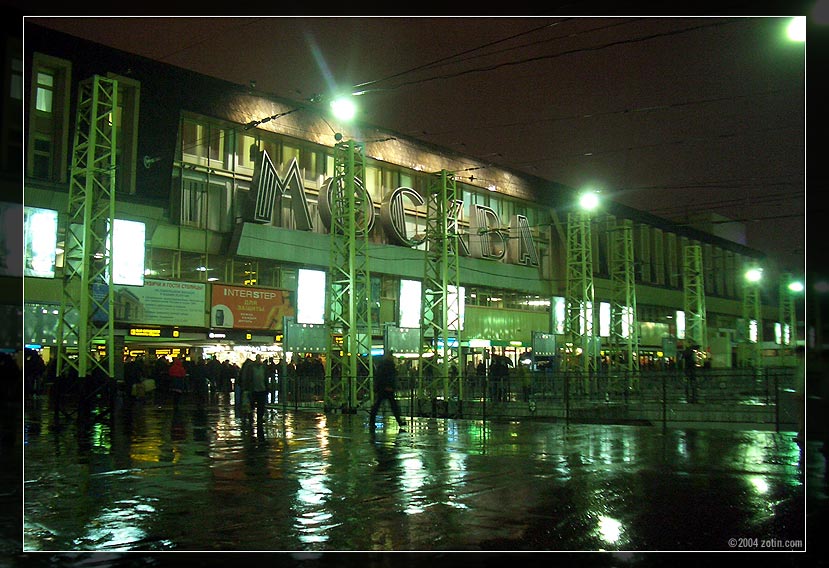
pixel 40 235
pixel 409 303
pixel 128 261
pixel 310 296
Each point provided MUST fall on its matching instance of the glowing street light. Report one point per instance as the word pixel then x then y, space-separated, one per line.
pixel 589 200
pixel 749 352
pixel 343 108
pixel 754 275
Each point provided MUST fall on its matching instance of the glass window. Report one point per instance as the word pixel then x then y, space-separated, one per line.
pixel 16 85
pixel 215 140
pixel 246 150
pixel 193 202
pixel 191 142
pixel 42 158
pixel 288 154
pixel 272 147
pixel 373 181
pixel 48 151
pixel 162 263
pixel 45 91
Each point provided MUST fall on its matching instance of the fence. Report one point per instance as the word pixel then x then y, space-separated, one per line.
pixel 761 399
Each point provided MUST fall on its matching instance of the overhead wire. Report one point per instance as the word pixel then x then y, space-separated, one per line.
pixel 535 58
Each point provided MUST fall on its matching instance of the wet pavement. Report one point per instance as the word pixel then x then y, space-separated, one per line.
pixel 156 478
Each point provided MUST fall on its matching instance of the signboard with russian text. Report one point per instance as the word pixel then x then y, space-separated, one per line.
pixel 161 302
pixel 244 307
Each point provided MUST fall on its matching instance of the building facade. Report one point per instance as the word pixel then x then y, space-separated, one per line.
pixel 229 192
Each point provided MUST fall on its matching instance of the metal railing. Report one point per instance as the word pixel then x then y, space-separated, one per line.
pixel 761 399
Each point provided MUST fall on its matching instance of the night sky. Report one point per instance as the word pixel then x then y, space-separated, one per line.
pixel 678 116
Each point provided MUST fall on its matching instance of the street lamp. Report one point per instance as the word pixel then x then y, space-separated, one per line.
pixel 580 297
pixel 343 108
pixel 749 354
pixel 589 201
pixel 789 290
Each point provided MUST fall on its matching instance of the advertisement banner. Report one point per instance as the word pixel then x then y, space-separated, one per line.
pixel 243 307
pixel 161 302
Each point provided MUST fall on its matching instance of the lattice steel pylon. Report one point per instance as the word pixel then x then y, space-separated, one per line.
pixel 440 329
pixel 86 310
pixel 579 293
pixel 788 314
pixel 624 325
pixel 696 323
pixel 749 350
pixel 349 372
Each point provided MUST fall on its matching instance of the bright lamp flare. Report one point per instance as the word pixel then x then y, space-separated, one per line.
pixel 343 108
pixel 754 274
pixel 589 201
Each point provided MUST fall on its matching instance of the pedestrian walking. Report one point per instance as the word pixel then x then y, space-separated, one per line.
pixel 385 383
pixel 243 391
pixel 178 379
pixel 259 390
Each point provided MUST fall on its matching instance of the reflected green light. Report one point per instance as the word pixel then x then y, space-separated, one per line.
pixel 610 529
pixel 760 485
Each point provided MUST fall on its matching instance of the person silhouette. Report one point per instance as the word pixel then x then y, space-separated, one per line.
pixel 385 383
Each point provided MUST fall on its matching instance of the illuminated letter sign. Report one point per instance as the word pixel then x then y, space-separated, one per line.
pixel 268 186
pixel 453 221
pixel 364 221
pixel 521 245
pixel 485 239
pixel 393 219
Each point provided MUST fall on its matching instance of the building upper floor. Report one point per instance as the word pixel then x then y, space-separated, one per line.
pixel 190 152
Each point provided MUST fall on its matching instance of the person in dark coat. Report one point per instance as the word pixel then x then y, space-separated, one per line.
pixel 385 383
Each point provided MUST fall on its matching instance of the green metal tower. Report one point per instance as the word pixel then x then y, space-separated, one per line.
pixel 696 328
pixel 579 294
pixel 788 314
pixel 86 310
pixel 624 326
pixel 440 294
pixel 349 373
pixel 748 354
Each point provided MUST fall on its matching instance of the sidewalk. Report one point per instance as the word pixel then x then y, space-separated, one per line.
pixel 199 479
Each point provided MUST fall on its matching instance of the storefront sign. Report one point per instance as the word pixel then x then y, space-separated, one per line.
pixel 161 302
pixel 243 307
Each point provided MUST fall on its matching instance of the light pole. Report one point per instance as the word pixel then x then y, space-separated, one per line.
pixel 580 297
pixel 749 353
pixel 789 290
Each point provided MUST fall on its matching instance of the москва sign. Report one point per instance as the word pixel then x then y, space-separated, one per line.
pixel 486 238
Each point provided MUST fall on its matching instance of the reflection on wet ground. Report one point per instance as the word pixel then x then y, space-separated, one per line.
pixel 198 478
